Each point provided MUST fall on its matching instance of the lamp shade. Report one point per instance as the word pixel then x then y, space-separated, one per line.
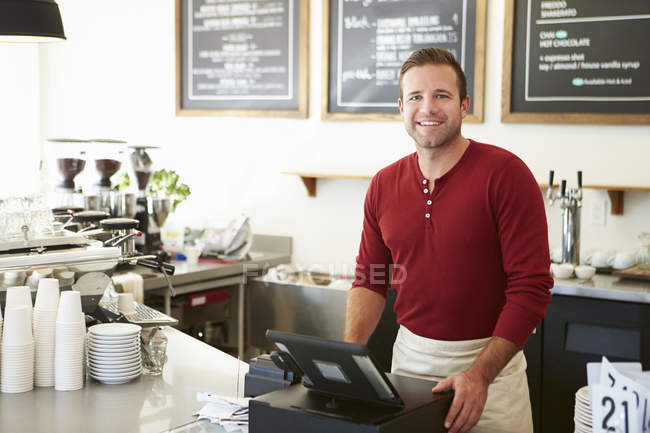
pixel 30 21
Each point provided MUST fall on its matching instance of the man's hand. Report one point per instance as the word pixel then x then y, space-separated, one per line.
pixel 470 394
pixel 470 388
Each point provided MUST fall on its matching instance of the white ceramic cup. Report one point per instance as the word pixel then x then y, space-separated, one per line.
pixel 599 259
pixel 623 260
pixel 556 255
pixel 69 307
pixel 564 270
pixel 585 272
pixel 47 296
pixel 17 329
pixel 125 303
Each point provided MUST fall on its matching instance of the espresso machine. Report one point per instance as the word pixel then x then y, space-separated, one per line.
pixel 571 203
pixel 151 212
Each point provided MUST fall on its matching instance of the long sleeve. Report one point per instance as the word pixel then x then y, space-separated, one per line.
pixel 374 259
pixel 523 235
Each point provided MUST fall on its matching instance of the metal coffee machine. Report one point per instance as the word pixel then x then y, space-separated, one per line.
pixel 151 212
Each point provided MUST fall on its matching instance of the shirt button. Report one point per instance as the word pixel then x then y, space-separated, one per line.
pixel 427 215
pixel 426 190
pixel 429 202
pixel 424 181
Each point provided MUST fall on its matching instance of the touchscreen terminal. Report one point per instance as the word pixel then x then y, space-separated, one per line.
pixel 336 368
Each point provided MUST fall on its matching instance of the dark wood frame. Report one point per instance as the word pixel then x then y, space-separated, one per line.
pixel 570 118
pixel 479 74
pixel 303 75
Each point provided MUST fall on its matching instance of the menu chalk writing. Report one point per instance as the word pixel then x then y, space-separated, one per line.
pixel 369 40
pixel 240 55
pixel 580 56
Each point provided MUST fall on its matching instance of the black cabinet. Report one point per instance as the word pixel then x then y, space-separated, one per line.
pixel 577 331
pixel 533 352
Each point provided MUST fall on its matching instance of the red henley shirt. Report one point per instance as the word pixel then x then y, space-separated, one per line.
pixel 469 260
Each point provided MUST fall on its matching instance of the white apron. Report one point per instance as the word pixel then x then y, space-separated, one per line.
pixel 508 402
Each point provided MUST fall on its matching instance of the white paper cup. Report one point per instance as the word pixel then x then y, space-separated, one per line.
pixel 69 307
pixel 17 326
pixel 19 295
pixel 192 253
pixel 125 303
pixel 47 296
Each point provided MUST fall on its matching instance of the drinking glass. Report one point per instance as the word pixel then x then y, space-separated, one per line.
pixel 154 351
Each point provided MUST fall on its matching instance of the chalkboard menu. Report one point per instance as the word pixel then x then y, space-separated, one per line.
pixel 242 58
pixel 367 41
pixel 577 61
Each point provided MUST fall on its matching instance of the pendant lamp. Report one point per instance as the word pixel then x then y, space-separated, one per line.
pixel 30 21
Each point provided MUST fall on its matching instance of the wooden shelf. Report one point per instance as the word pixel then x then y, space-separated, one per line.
pixel 615 193
pixel 309 179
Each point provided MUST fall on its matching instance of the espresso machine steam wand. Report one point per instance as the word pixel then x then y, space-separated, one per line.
pixel 570 203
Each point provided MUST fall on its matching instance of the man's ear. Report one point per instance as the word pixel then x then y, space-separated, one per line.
pixel 399 104
pixel 464 106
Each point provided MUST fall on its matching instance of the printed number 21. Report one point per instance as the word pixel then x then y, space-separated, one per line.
pixel 611 412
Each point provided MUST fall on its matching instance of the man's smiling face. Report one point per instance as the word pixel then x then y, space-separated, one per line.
pixel 431 107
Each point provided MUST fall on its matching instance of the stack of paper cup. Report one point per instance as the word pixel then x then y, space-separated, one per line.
pixel 19 295
pixel 45 310
pixel 0 343
pixel 69 343
pixel 17 371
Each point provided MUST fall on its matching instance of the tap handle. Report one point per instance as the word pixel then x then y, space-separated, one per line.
pixel 563 188
pixel 551 173
pixel 579 179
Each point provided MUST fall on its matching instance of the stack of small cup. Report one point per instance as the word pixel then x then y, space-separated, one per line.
pixel 17 371
pixel 69 343
pixel 45 310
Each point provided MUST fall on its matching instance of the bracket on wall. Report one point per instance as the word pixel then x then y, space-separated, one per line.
pixel 309 179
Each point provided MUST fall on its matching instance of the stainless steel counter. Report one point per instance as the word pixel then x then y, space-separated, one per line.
pixel 605 287
pixel 148 404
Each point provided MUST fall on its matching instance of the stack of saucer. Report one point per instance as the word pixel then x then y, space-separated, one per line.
pixel 45 309
pixel 17 370
pixel 582 416
pixel 69 343
pixel 114 352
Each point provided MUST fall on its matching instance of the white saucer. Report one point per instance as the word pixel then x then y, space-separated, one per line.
pixel 113 342
pixel 114 329
pixel 117 381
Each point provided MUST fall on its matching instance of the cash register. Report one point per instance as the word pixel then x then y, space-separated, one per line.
pixel 343 391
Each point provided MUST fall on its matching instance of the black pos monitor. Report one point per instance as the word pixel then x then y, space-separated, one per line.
pixel 343 391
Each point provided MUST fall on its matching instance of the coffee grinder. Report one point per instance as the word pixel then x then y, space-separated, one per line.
pixel 152 212
pixel 108 155
pixel 70 159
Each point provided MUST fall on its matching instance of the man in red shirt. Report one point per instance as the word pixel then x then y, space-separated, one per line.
pixel 458 230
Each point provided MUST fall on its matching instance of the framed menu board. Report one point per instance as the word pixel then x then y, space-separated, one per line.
pixel 576 61
pixel 242 58
pixel 365 43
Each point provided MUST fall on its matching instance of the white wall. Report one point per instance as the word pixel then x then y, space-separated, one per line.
pixel 19 119
pixel 114 77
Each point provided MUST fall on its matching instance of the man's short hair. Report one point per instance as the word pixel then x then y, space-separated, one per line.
pixel 434 56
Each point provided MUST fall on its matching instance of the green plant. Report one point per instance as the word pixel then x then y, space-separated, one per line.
pixel 123 181
pixel 165 183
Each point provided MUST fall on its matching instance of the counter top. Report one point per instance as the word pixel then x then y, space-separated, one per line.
pixel 147 404
pixel 212 270
pixel 605 287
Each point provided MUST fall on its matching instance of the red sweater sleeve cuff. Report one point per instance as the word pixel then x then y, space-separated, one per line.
pixel 515 324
